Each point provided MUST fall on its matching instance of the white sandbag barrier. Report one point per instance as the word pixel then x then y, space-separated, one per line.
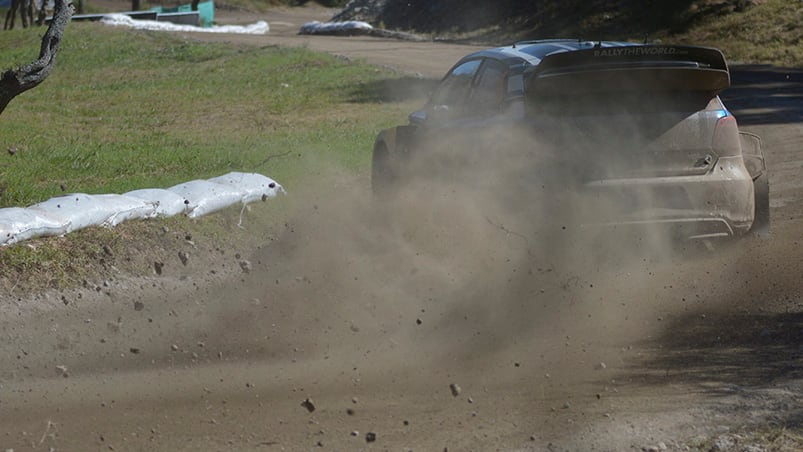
pixel 64 214
pixel 354 28
pixel 82 210
pixel 168 204
pixel 121 20
pixel 18 224
pixel 204 197
pixel 251 186
pixel 335 28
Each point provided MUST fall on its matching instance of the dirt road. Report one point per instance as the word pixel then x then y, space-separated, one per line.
pixel 458 333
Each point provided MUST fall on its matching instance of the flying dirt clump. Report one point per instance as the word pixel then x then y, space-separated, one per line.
pixel 308 404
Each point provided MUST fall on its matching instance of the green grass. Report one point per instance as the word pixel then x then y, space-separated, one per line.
pixel 130 109
pixel 768 32
pixel 126 109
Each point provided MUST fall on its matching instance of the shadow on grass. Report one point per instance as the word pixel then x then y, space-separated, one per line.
pixel 763 94
pixel 392 90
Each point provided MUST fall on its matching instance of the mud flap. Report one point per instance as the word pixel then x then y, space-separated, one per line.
pixel 757 167
pixel 761 221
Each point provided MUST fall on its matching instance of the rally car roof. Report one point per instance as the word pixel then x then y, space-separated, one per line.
pixel 534 51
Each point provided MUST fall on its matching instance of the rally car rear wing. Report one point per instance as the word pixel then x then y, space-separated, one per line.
pixel 635 68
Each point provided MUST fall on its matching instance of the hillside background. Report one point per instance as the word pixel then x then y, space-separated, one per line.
pixel 751 31
pixel 748 31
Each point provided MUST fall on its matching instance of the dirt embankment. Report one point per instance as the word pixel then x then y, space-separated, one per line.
pixel 614 19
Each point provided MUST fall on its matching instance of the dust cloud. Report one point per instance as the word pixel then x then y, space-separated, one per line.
pixel 478 274
pixel 482 253
pixel 483 270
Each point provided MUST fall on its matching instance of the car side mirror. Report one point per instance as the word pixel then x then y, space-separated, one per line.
pixel 418 118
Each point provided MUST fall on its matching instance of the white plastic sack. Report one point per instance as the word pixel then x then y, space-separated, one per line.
pixel 257 28
pixel 204 197
pixel 325 28
pixel 167 203
pixel 124 208
pixel 18 224
pixel 252 186
pixel 63 214
pixel 82 210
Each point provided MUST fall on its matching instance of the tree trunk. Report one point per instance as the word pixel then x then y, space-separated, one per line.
pixel 134 5
pixel 14 82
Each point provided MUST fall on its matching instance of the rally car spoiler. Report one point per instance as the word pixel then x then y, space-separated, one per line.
pixel 628 69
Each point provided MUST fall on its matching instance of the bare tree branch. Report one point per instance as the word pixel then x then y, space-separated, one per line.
pixel 15 82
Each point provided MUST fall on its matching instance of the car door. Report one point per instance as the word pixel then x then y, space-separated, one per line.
pixel 448 103
pixel 469 118
pixel 474 91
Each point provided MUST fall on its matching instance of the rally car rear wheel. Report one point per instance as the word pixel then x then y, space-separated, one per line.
pixel 384 179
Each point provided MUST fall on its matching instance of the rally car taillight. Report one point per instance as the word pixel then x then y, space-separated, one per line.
pixel 726 137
